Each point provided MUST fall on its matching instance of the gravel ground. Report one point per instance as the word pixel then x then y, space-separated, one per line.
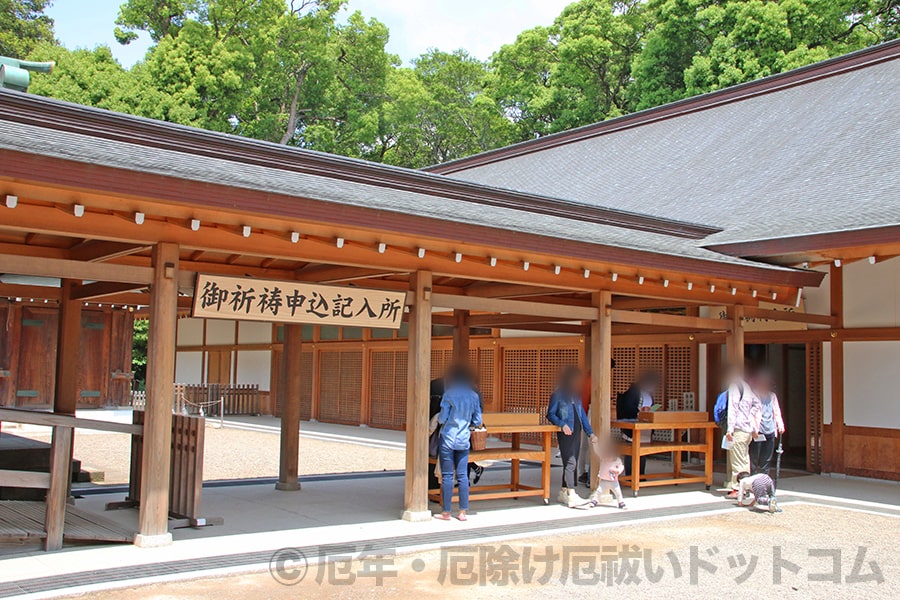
pixel 734 539
pixel 235 454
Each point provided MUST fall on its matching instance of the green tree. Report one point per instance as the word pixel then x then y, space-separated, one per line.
pixel 573 73
pixel 23 25
pixel 697 46
pixel 455 116
pixel 139 339
pixel 93 78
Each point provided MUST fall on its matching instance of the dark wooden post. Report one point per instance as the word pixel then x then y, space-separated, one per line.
pixel 154 511
pixel 836 290
pixel 415 496
pixel 291 385
pixel 461 335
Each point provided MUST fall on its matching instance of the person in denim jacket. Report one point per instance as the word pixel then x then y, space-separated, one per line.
pixel 567 413
pixel 460 410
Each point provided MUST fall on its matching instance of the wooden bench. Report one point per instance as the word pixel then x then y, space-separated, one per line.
pixel 513 424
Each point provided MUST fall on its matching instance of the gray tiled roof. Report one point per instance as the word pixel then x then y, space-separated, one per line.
pixel 817 157
pixel 190 166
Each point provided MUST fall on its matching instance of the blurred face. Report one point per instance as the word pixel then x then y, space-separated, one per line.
pixel 764 384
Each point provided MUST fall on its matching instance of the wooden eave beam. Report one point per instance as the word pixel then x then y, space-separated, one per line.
pixel 100 250
pixel 102 289
pixel 507 320
pixel 795 317
pixel 559 312
pixel 16 290
pixel 338 274
pixel 73 269
pixel 665 320
pixel 551 328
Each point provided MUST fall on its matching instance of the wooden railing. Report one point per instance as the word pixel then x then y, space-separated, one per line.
pixel 56 482
pixel 186 467
pixel 208 399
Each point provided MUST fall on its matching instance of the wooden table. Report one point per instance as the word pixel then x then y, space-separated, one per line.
pixel 636 450
pixel 514 425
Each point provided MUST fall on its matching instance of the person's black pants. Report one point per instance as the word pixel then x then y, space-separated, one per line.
pixel 626 461
pixel 569 445
pixel 761 455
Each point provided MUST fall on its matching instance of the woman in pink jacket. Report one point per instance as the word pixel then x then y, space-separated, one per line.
pixel 771 424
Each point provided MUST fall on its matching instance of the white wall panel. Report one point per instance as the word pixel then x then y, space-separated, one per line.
pixel 189 367
pixel 872 384
pixel 254 366
pixel 190 332
pixel 872 294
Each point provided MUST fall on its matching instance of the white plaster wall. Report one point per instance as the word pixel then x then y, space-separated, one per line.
pixel 189 367
pixel 254 332
pixel 872 384
pixel 190 332
pixel 517 333
pixel 254 366
pixel 818 299
pixel 872 294
pixel 219 331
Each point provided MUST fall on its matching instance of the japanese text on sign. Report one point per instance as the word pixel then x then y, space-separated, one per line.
pixel 223 297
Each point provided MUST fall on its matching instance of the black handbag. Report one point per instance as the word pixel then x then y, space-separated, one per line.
pixel 434 442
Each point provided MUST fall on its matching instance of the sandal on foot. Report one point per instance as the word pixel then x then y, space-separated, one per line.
pixel 442 516
pixel 461 516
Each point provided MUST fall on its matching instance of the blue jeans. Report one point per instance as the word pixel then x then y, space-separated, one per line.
pixel 454 460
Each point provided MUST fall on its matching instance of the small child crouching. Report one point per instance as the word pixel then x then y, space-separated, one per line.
pixel 611 467
pixel 760 489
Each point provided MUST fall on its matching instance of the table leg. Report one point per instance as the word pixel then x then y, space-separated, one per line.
pixel 545 466
pixel 514 471
pixel 635 462
pixel 676 460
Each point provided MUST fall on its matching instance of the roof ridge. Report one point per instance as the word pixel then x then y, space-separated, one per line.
pixel 773 83
pixel 49 113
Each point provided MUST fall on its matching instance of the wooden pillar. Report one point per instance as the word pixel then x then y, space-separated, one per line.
pixel 58 492
pixel 154 510
pixel 836 290
pixel 415 494
pixel 600 353
pixel 291 385
pixel 68 351
pixel 734 340
pixel 461 336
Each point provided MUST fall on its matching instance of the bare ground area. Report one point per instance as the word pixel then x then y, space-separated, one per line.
pixel 234 454
pixel 739 547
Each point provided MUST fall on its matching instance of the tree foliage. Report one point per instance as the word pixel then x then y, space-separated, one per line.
pixel 23 25
pixel 303 73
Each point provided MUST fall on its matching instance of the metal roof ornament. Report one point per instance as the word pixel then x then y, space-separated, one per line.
pixel 14 73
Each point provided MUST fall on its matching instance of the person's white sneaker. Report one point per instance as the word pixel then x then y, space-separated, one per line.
pixel 574 500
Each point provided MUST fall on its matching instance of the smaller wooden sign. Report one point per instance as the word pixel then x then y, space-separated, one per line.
pixel 246 299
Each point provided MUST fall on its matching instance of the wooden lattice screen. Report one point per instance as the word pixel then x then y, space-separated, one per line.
pixel 814 408
pixel 529 377
pixel 483 360
pixel 340 386
pixel 306 383
pixel 678 376
pixel 388 394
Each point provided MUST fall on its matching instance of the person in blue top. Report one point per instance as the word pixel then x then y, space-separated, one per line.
pixel 567 413
pixel 460 410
